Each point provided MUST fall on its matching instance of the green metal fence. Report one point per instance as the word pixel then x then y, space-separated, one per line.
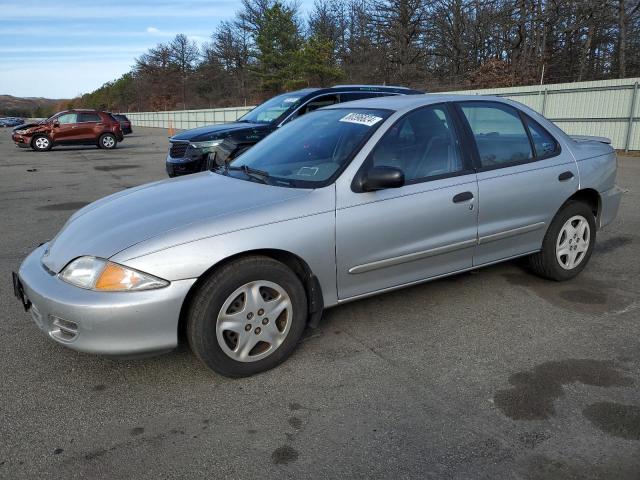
pixel 606 108
pixel 185 119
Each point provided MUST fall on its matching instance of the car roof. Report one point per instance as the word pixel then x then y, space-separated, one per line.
pixel 409 102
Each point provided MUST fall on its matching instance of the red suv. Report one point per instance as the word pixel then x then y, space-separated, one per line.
pixel 71 127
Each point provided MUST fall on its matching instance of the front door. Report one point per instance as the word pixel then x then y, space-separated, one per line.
pixel 65 128
pixel 426 228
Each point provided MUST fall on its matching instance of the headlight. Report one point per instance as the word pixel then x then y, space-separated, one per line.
pixel 24 131
pixel 206 146
pixel 102 275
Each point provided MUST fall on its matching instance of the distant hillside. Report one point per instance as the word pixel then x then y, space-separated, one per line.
pixel 29 106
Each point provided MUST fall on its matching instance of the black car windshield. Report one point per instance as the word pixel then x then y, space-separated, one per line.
pixel 311 151
pixel 273 108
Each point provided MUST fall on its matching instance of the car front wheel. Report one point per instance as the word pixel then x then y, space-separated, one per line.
pixel 247 317
pixel 568 244
pixel 107 141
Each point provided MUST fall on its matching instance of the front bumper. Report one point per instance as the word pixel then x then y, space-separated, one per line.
pixel 20 140
pixel 182 166
pixel 610 204
pixel 107 323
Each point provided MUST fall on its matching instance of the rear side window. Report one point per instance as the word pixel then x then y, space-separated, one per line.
pixel 543 143
pixel 499 133
pixel 88 117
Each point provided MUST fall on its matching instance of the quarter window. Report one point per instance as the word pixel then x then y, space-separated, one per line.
pixel 499 134
pixel 66 118
pixel 422 144
pixel 543 143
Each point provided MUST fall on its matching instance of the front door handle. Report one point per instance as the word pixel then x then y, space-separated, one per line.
pixel 564 176
pixel 462 197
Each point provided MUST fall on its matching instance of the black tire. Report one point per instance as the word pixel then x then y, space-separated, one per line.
pixel 216 290
pixel 545 263
pixel 44 145
pixel 107 141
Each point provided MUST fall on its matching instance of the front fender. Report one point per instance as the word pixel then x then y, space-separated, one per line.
pixel 310 237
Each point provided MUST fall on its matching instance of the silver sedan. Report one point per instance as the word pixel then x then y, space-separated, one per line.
pixel 343 203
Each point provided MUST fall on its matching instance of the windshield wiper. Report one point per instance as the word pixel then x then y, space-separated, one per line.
pixel 260 175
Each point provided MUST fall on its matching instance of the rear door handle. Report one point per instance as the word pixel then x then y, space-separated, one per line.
pixel 462 197
pixel 564 176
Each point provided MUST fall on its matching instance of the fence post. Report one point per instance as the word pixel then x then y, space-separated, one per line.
pixel 634 97
pixel 544 102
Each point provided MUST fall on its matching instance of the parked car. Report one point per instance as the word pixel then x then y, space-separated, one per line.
pixel 350 201
pixel 125 123
pixel 11 121
pixel 190 150
pixel 70 127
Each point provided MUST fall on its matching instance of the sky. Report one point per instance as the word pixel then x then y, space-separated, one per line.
pixel 63 48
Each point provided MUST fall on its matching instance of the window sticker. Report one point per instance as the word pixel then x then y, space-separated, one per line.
pixel 361 119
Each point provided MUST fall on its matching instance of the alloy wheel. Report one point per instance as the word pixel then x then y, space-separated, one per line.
pixel 108 141
pixel 42 143
pixel 254 321
pixel 573 242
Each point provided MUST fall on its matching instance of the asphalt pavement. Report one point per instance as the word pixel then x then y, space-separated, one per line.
pixel 491 374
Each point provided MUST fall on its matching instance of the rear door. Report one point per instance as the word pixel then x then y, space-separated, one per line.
pixel 523 179
pixel 88 126
pixel 64 128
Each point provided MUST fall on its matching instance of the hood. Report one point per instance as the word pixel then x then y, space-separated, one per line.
pixel 132 216
pixel 25 126
pixel 212 132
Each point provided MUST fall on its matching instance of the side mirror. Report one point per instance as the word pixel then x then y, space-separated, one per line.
pixel 382 177
pixel 56 124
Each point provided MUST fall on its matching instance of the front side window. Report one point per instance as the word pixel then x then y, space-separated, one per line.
pixel 310 152
pixel 499 134
pixel 67 118
pixel 316 103
pixel 273 109
pixel 422 144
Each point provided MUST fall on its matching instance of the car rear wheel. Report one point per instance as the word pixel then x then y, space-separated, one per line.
pixel 247 317
pixel 107 141
pixel 41 143
pixel 568 244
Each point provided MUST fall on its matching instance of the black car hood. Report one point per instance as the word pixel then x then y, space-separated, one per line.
pixel 212 132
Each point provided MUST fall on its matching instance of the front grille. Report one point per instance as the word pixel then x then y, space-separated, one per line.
pixel 178 149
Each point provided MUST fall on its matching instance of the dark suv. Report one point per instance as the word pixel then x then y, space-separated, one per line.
pixel 71 127
pixel 189 151
pixel 125 123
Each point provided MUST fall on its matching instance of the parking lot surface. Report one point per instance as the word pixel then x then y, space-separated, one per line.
pixel 490 374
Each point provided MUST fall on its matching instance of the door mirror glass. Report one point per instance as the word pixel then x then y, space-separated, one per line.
pixel 56 124
pixel 382 177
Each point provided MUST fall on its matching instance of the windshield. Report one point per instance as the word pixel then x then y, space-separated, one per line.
pixel 272 109
pixel 311 151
